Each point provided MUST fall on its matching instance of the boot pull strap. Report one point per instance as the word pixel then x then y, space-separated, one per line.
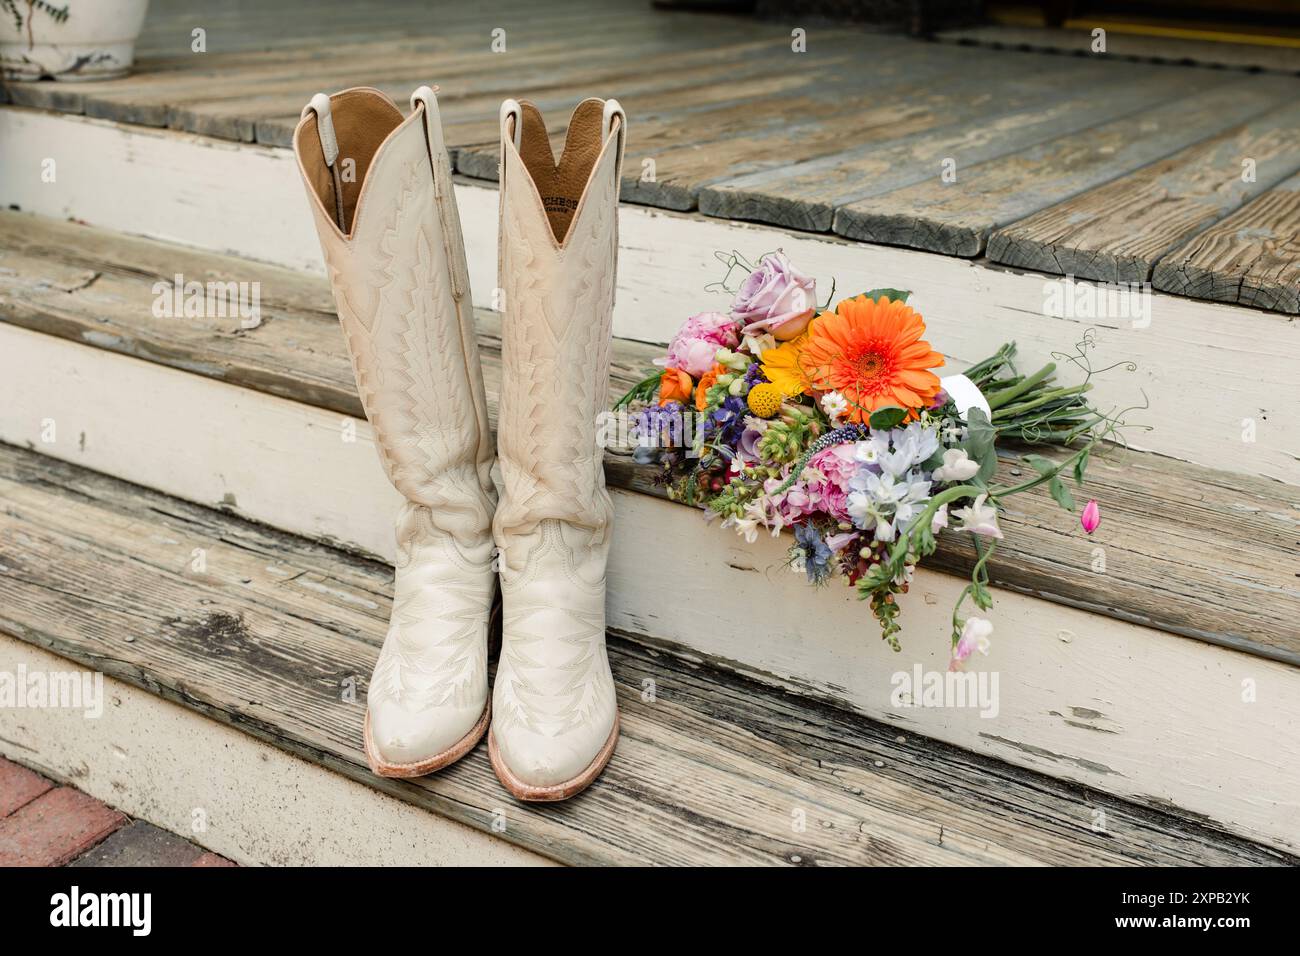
pixel 511 118
pixel 513 115
pixel 444 194
pixel 329 144
pixel 614 111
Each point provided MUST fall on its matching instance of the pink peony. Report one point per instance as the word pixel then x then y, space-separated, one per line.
pixel 777 298
pixel 828 493
pixel 836 465
pixel 793 504
pixel 697 342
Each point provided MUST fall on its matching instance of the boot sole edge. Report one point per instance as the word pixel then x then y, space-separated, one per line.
pixel 419 768
pixel 559 791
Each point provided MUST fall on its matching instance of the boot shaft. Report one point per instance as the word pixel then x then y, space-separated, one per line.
pixel 379 186
pixel 558 256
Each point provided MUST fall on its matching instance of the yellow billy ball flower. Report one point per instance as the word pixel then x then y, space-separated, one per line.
pixel 765 399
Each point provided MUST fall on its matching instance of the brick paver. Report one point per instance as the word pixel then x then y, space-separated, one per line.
pixel 19 786
pixel 55 828
pixel 140 843
pixel 43 824
pixel 212 859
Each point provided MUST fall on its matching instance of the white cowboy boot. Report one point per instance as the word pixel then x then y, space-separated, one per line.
pixel 555 717
pixel 380 191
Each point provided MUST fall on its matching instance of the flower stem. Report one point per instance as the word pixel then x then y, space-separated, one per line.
pixel 978 577
pixel 902 545
pixel 998 399
pixel 996 493
pixel 1052 395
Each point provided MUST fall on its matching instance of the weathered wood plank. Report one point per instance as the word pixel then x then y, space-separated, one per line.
pixel 1250 258
pixel 804 195
pixel 723 107
pixel 265 68
pixel 289 465
pixel 97 289
pixel 709 769
pixel 784 113
pixel 158 761
pixel 269 95
pixel 956 217
pixel 1135 46
pixel 176 187
pixel 1118 231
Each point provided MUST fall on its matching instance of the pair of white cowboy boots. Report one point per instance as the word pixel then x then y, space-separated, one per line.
pixel 380 190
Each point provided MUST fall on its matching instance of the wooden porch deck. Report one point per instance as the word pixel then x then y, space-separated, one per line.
pixel 1102 167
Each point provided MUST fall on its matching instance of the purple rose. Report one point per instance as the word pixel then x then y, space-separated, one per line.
pixel 697 342
pixel 775 298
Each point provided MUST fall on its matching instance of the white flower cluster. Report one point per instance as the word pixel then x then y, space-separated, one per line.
pixel 891 486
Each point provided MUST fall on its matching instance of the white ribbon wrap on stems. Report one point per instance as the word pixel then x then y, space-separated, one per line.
pixel 966 395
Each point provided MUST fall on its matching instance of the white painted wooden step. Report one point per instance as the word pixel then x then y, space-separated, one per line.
pixel 1115 703
pixel 270 635
pixel 1220 379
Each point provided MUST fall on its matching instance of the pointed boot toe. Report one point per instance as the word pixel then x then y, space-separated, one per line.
pixel 538 768
pixel 401 742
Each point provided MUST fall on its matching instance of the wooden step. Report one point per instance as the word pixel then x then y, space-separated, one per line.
pixel 1252 256
pixel 176 187
pixel 806 195
pixel 1120 231
pixel 267 631
pixel 98 289
pixel 959 216
pixel 1138 41
pixel 830 127
pixel 248 800
pixel 1104 686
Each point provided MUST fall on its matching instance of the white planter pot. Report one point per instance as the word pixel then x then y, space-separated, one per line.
pixel 94 41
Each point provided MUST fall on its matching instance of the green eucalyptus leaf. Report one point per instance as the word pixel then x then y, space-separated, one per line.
pixel 891 416
pixel 895 295
pixel 1061 494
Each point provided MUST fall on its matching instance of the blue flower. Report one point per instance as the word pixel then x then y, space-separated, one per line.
pixel 726 423
pixel 815 552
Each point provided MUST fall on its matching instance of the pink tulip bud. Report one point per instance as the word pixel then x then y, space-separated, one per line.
pixel 1091 517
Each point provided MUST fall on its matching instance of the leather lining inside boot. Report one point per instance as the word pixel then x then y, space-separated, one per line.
pixel 362 121
pixel 560 185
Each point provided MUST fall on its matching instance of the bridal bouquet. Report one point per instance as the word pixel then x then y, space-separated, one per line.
pixel 833 423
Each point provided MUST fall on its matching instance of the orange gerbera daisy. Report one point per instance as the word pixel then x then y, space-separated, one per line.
pixel 872 353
